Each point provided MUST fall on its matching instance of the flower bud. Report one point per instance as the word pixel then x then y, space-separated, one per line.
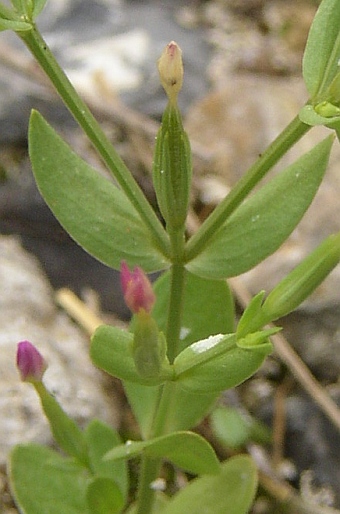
pixel 303 280
pixel 30 362
pixel 170 67
pixel 172 167
pixel 137 289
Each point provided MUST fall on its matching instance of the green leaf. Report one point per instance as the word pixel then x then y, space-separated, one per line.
pixel 16 26
pixel 8 14
pixel 320 61
pixel 252 318
pixel 111 351
pixel 38 7
pixel 100 439
pixel 220 362
pixel 187 450
pixel 309 116
pixel 18 5
pixel 230 492
pixel 262 223
pixel 200 319
pixel 44 482
pixel 234 429
pixel 104 496
pixel 90 208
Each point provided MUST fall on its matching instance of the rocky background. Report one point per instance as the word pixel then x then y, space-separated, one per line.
pixel 242 86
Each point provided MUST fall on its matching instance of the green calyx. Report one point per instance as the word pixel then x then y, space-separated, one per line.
pixel 148 346
pixel 172 168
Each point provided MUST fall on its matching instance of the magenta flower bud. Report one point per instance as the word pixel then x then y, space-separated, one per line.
pixel 137 289
pixel 30 362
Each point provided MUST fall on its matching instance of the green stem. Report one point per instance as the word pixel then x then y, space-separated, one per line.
pixel 150 467
pixel 175 310
pixel 292 133
pixel 38 47
pixel 148 473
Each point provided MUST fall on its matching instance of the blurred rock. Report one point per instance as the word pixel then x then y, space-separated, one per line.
pixel 27 311
pixel 313 444
pixel 261 36
pixel 107 48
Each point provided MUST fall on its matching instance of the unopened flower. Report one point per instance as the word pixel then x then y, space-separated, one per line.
pixel 137 289
pixel 170 67
pixel 30 362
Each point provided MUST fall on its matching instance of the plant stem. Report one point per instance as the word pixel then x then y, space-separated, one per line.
pixel 150 467
pixel 286 139
pixel 148 473
pixel 175 309
pixel 38 47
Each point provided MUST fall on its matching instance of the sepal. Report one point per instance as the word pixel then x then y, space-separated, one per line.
pixel 148 347
pixel 111 351
pixel 172 168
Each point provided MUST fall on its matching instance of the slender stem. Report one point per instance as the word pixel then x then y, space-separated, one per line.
pixel 150 467
pixel 38 47
pixel 175 310
pixel 148 473
pixel 292 133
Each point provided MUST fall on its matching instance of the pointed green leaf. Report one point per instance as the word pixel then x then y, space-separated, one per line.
pixel 232 491
pixel 265 220
pixel 42 481
pixel 187 450
pixel 18 5
pixel 100 439
pixel 38 7
pixel 111 351
pixel 219 362
pixel 7 13
pixel 90 208
pixel 252 318
pixel 321 57
pixel 104 496
pixel 17 26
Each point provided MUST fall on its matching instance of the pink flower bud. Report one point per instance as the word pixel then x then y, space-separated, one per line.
pixel 30 362
pixel 170 67
pixel 137 289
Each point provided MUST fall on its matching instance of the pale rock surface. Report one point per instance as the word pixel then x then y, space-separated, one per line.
pixel 27 311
